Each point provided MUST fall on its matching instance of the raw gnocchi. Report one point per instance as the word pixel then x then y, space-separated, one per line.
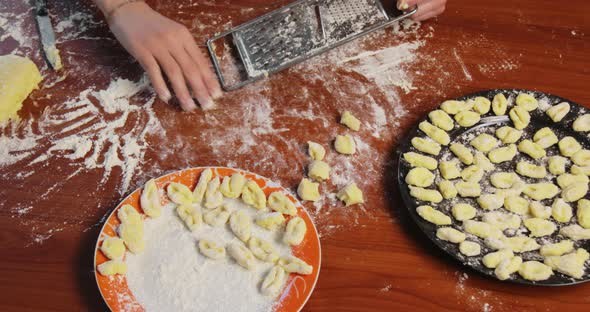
pixel 520 117
pixel 447 189
pixel 253 195
pixel 150 200
pixel 504 180
pixel 242 255
pixel 318 170
pixel 113 248
pixel 507 267
pixel 279 202
pixel 350 121
pixel 574 191
pixel 199 191
pixel 449 170
pixel 453 107
pixel 462 152
pixel 581 158
pixel 583 213
pixel 316 151
pixel 516 204
pixel 133 236
pixel 211 249
pixel 128 214
pixel 499 104
pixel 441 119
pixel 534 271
pixel 490 201
pixel 484 142
pixel 502 154
pixel 571 264
pixel 502 220
pixel 558 112
pixel 530 170
pixel 545 138
pixel 463 211
pixel 541 191
pixel 435 133
pixel 271 220
pixel 582 123
pixel 351 195
pixel 427 195
pixel 472 174
pixel 568 146
pixel 527 101
pixel 293 264
pixel 493 259
pixel 467 118
pixel 191 216
pixel 534 150
pixel 468 189
pixel 538 210
pixel 345 144
pixel 450 234
pixel 273 282
pixel 433 216
pixel 217 216
pixel 241 225
pixel 508 135
pixel 263 250
pixel 480 229
pixel 539 227
pixel 469 248
pixel 481 105
pixel 213 196
pixel 179 193
pixel 426 146
pixel 418 160
pixel 295 231
pixel 557 165
pixel 308 190
pixel 231 187
pixel 557 249
pixel 112 267
pixel 575 232
pixel 483 162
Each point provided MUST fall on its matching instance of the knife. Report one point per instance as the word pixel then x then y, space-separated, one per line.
pixel 47 35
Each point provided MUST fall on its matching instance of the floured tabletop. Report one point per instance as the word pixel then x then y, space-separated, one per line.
pixel 95 131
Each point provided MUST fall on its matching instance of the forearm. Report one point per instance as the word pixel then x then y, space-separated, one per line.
pixel 107 7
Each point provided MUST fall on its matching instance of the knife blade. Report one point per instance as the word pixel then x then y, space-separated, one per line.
pixel 47 35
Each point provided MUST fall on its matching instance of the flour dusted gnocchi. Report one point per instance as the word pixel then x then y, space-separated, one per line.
pixel 295 231
pixel 467 118
pixel 472 173
pixel 232 187
pixel 530 170
pixel 453 107
pixel 420 177
pixel 527 101
pixel 450 234
pixel 575 232
pixel 447 189
pixel 571 264
pixel 521 243
pixel 484 142
pixel 502 220
pixel 545 138
pixel 499 104
pixel 263 250
pixel 128 214
pixel 426 146
pixel 418 160
pixel 345 144
pixel 557 165
pixel 113 248
pixel 538 210
pixel 583 213
pixel 435 133
pixel 492 259
pixel 350 121
pixel 481 105
pixel 179 193
pixel 520 117
pixel 463 211
pixel 534 271
pixel 279 202
pixel 557 249
pixel 462 152
pixel 270 221
pixel 580 170
pixel 316 151
pixel 441 119
pixel 558 112
pixel 150 199
pixel 253 195
pixel 112 267
pixel 507 267
pixel 318 170
pixel 213 196
pixel 242 255
pixel 582 123
pixel 561 211
pixel 192 217
pixel 539 227
pixel 433 216
pixel 217 216
pixel 508 135
pixel 241 225
pixel 581 158
pixel 568 146
pixel 541 191
pixel 449 170
pixel 503 180
pixel 574 191
pixel 132 235
pixel 516 204
pixel 308 190
pixel 531 148
pixel 199 191
pixel 211 249
pixel 293 264
pixel 468 189
pixel 274 281
pixel 427 195
pixel 490 201
pixel 480 229
pixel 566 179
pixel 470 248
pixel 483 162
pixel 502 154
pixel 351 195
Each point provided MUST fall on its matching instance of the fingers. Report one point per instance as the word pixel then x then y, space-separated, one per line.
pixel 428 9
pixel 149 63
pixel 193 76
pixel 176 77
pixel 205 69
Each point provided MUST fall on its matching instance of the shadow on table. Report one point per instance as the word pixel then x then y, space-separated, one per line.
pixel 85 272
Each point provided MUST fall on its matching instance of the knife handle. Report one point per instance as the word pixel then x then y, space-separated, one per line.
pixel 41 6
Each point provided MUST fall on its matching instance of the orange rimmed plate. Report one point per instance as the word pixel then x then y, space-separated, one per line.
pixel 298 288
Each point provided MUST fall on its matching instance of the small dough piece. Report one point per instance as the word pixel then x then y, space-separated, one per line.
pixel 232 187
pixel 539 227
pixel 447 189
pixel 113 248
pixel 462 152
pixel 527 102
pixel 253 195
pixel 583 213
pixel 19 76
pixel 263 250
pixel 472 174
pixel 557 165
pixel 520 117
pixel 508 135
pixel 344 144
pixel 421 177
pixel 199 191
pixel 531 148
pixel 217 216
pixel 516 204
pixel 502 154
pixel 481 229
pixel 582 123
pixel 295 231
pixel 211 249
pixel 449 170
pixel 561 211
pixel 581 158
pixel 350 121
pixel 557 249
pixel 191 217
pixel 507 267
pixel 499 104
pixel 490 201
pixel 482 161
pixel 566 179
pixel 538 210
pixel 293 264
pixel 535 271
pixel 441 119
pixel 427 146
pixel 502 220
pixel 515 190
pixel 316 151
pixel 273 282
pixel 213 196
pixel 493 259
pixel 571 264
pixel 242 255
pixel 470 248
pixel 351 195
pixel 580 170
pixel 575 232
pixel 568 146
pixel 545 138
pixel 433 216
pixel 521 243
pixel 179 193
pixel 481 105
pixel 541 191
pixel 150 200
pixel 318 170
pixel 484 142
pixel 453 107
pixel 449 234
pixel 574 191
pixel 427 195
pixel 112 267
pixel 468 189
pixel 271 220
pixel 504 180
pixel 530 170
pixel 467 118
pixel 128 214
pixel 279 202
pixel 241 225
pixel 419 160
pixel 435 133
pixel 132 236
pixel 558 112
pixel 463 211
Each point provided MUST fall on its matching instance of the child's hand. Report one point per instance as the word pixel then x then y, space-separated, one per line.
pixel 161 44
pixel 426 8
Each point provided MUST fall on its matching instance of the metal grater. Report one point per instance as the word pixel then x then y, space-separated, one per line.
pixel 299 31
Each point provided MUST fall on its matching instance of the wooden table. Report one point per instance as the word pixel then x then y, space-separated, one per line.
pixel 374 258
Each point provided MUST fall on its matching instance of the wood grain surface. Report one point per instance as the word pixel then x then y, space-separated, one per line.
pixel 373 257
